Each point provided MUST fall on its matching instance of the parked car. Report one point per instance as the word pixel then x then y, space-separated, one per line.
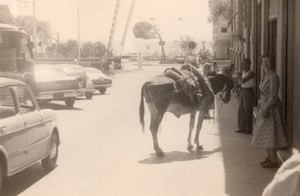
pixel 73 70
pixel 96 80
pixel 53 84
pixel 27 133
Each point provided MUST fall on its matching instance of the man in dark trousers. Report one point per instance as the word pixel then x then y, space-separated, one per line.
pixel 245 112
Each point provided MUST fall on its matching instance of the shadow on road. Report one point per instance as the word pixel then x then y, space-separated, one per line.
pixel 176 156
pixel 19 182
pixel 56 106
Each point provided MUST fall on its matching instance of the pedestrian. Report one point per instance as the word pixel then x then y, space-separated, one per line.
pixel 140 61
pixel 206 70
pixel 76 60
pixel 215 67
pixel 245 111
pixel 268 131
pixel 286 180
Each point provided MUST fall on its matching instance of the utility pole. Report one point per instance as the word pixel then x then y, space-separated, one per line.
pixel 78 32
pixel 34 28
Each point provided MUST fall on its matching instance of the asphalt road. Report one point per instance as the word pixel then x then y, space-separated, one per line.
pixel 95 135
pixel 104 152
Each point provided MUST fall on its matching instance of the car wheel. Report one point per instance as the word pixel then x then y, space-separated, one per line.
pixel 70 102
pixel 88 95
pixel 102 90
pixel 50 161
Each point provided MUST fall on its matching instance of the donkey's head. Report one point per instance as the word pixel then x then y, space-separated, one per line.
pixel 222 83
pixel 228 84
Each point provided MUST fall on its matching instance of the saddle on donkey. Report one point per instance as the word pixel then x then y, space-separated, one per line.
pixel 187 80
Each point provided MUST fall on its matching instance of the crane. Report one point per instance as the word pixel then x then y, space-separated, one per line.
pixel 112 31
pixel 113 27
pixel 127 25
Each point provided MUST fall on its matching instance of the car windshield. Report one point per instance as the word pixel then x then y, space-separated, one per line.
pixel 8 40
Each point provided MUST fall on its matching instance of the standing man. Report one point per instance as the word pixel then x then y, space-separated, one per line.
pixel 245 112
pixel 140 61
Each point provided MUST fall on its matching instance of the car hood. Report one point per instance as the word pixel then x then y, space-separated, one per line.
pixel 97 76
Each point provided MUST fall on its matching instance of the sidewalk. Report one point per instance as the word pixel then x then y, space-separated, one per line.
pixel 228 165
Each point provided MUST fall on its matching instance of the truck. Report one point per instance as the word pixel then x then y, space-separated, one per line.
pixel 16 55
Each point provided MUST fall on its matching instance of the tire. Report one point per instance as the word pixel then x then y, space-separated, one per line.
pixel 88 95
pixel 49 162
pixel 102 90
pixel 70 102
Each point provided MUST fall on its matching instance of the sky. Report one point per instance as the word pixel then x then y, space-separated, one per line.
pixel 174 18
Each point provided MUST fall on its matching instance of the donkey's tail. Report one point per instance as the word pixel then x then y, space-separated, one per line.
pixel 142 108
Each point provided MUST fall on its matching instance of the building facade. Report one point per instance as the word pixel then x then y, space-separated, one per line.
pixel 221 32
pixel 271 26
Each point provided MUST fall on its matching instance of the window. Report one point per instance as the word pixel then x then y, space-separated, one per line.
pixel 224 30
pixel 25 100
pixel 7 104
pixel 24 48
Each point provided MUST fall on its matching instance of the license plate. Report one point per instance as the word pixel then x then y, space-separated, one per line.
pixel 58 96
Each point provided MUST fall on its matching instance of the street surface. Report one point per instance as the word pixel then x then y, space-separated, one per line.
pixel 103 151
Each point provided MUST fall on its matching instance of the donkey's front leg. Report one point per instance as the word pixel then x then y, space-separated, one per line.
pixel 198 128
pixel 191 127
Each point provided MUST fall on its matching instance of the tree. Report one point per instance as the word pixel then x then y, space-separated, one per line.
pixel 146 30
pixel 65 50
pixel 204 53
pixel 183 43
pixel 219 9
pixel 5 15
pixel 93 50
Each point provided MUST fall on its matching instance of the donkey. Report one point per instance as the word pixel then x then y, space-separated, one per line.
pixel 178 103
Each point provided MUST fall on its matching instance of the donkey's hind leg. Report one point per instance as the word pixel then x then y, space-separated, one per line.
pixel 156 118
pixel 191 127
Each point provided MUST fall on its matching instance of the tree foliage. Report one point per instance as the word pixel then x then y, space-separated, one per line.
pixel 145 30
pixel 204 53
pixel 63 50
pixel 184 40
pixel 219 9
pixel 68 49
pixel 93 50
pixel 5 15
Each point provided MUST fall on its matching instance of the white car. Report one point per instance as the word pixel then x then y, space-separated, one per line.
pixel 27 133
pixel 96 80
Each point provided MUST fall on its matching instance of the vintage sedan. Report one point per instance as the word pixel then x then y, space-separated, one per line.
pixel 27 133
pixel 96 80
pixel 73 70
pixel 53 84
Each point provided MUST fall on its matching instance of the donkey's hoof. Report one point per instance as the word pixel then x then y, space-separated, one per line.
pixel 190 147
pixel 160 154
pixel 199 148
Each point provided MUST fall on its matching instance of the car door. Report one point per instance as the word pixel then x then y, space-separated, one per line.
pixel 12 135
pixel 33 122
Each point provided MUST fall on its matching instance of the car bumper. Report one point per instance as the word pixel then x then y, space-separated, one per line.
pixel 57 95
pixel 90 87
